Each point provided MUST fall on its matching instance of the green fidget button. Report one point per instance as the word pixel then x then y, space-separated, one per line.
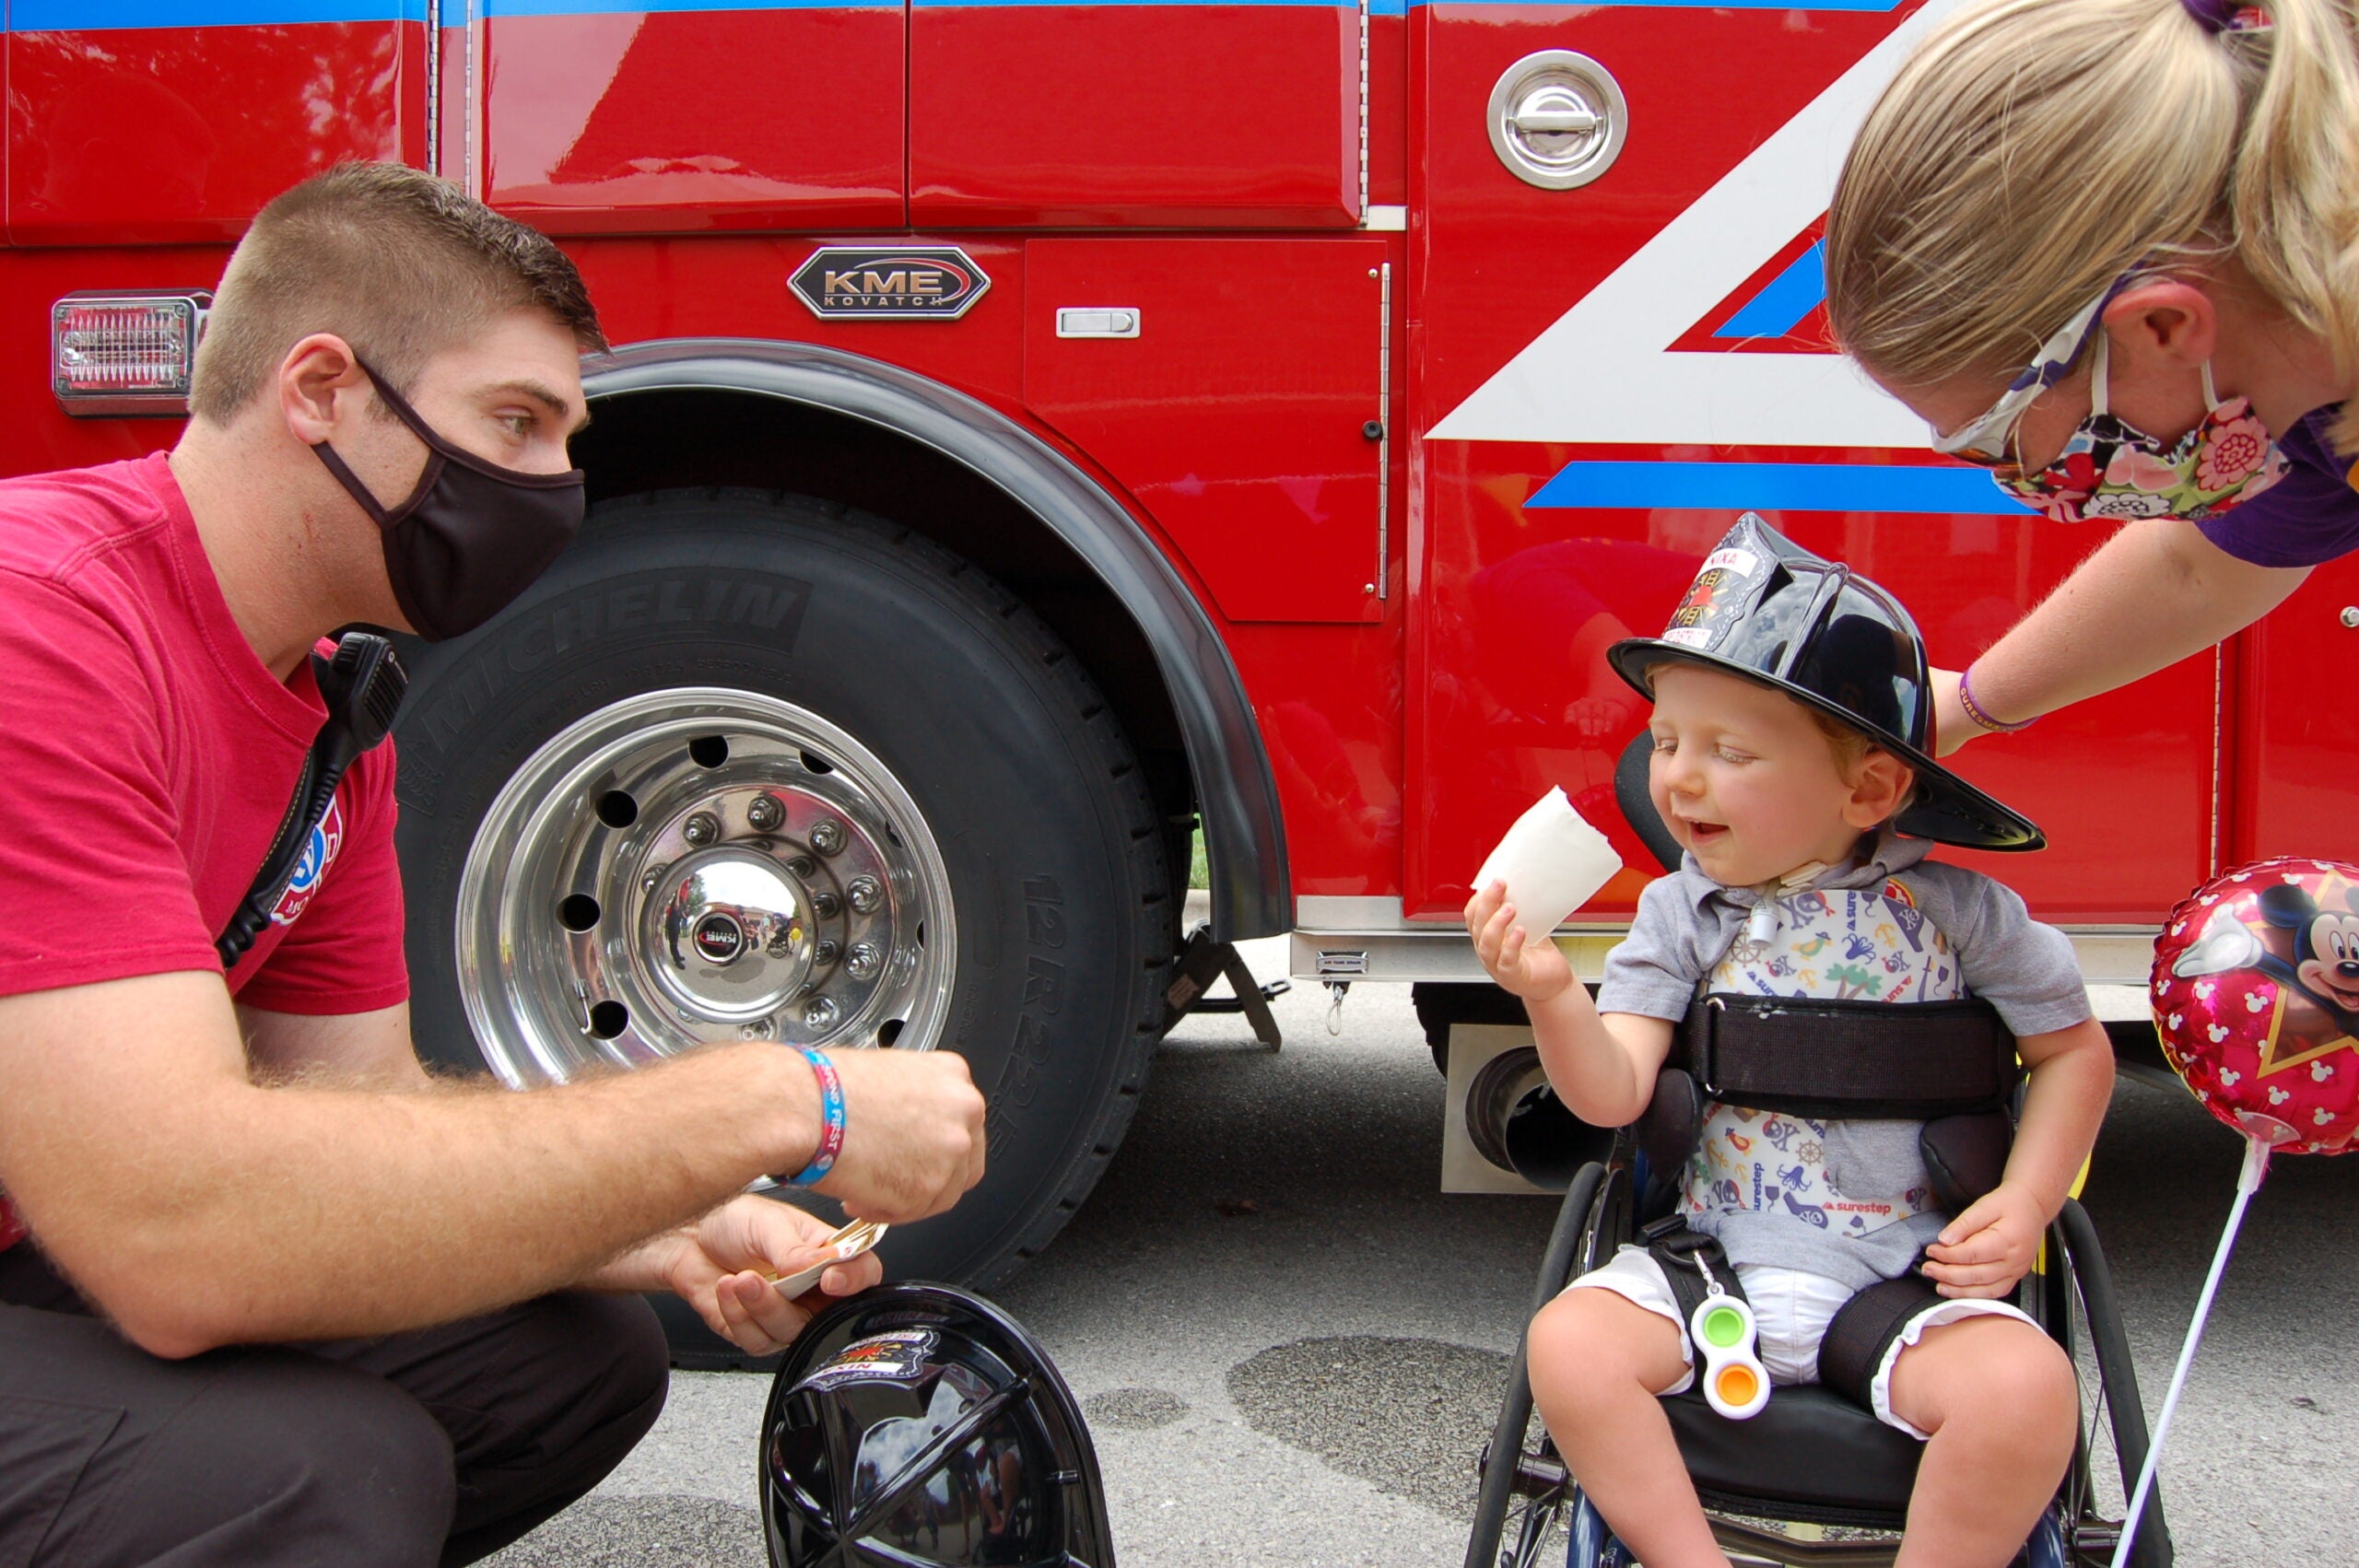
pixel 1723 1327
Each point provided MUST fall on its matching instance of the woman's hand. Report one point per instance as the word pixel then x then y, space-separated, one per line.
pixel 1535 971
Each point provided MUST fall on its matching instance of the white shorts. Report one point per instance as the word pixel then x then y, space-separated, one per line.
pixel 1791 1308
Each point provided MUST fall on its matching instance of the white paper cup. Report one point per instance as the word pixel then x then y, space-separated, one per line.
pixel 1552 862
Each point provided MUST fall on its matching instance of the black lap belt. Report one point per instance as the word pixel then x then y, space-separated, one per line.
pixel 362 686
pixel 1911 1061
pixel 1862 1330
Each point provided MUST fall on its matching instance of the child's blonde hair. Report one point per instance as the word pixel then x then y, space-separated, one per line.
pixel 2031 151
pixel 1851 747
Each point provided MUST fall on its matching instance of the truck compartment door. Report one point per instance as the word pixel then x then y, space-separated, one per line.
pixel 664 119
pixel 1225 116
pixel 1609 373
pixel 2292 731
pixel 126 131
pixel 1239 414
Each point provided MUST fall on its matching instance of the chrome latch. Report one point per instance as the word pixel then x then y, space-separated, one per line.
pixel 1557 119
pixel 1098 321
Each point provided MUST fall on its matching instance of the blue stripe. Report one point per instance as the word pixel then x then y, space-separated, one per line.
pixel 1378 8
pixel 61 16
pixel 1777 486
pixel 1705 4
pixel 58 15
pixel 1782 303
pixel 648 7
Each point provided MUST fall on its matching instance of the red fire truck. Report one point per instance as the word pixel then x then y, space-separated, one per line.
pixel 1038 429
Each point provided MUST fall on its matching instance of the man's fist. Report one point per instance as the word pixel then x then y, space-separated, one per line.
pixel 913 1134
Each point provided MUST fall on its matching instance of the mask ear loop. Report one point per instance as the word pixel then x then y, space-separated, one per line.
pixel 2211 394
pixel 2098 399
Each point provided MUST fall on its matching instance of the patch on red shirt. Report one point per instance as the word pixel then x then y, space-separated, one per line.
pixel 312 869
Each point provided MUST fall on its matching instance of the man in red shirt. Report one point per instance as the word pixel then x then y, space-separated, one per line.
pixel 269 1294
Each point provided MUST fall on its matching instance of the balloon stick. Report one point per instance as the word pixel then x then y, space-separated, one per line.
pixel 2248 1182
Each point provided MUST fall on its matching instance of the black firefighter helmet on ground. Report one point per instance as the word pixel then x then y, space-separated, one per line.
pixel 919 1425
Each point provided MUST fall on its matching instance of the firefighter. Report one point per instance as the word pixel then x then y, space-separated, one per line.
pixel 2106 248
pixel 269 1294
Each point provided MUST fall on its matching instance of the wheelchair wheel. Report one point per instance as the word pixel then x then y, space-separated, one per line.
pixel 2079 1275
pixel 1526 1493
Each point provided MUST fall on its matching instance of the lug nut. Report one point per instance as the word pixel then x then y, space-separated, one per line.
pixel 828 838
pixel 760 1029
pixel 827 952
pixel 803 867
pixel 765 814
pixel 863 960
pixel 826 905
pixel 821 1013
pixel 701 829
pixel 866 893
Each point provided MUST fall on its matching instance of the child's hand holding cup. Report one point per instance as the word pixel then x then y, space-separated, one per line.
pixel 1550 863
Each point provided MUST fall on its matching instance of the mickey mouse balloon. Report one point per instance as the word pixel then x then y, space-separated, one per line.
pixel 2256 993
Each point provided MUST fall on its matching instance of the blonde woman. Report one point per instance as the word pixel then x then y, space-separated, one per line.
pixel 2109 250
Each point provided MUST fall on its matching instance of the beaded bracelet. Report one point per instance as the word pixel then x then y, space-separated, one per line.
pixel 1974 709
pixel 831 1120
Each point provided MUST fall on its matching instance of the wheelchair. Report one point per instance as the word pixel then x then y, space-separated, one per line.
pixel 1814 1481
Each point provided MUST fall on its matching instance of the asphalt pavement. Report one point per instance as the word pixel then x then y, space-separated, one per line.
pixel 1290 1343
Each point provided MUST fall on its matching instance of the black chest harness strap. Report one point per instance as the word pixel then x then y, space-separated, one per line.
pixel 1907 1060
pixel 1950 1065
pixel 362 686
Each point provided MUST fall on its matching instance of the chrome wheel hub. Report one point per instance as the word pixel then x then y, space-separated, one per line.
pixel 698 865
pixel 730 934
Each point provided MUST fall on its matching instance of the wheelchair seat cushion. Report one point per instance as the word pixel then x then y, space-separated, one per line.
pixel 1809 1453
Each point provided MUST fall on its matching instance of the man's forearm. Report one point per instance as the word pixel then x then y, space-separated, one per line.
pixel 2152 594
pixel 307 1213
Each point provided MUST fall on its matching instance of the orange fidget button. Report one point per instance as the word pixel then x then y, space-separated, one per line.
pixel 1723 1330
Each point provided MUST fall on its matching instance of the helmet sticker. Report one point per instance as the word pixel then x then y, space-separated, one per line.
pixel 900 1356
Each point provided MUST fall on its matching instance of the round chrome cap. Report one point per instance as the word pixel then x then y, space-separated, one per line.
pixel 733 933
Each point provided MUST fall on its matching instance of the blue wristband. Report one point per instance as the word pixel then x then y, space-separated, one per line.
pixel 831 1120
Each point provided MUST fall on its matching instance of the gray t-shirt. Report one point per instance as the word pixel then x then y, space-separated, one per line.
pixel 1687 924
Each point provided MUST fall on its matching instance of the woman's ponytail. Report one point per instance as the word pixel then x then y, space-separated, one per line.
pixel 2293 204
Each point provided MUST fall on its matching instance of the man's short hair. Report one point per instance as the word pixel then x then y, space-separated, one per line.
pixel 400 264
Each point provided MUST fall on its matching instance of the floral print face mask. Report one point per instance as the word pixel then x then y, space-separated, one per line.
pixel 2112 469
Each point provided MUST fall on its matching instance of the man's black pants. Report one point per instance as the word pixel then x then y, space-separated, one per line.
pixel 437 1447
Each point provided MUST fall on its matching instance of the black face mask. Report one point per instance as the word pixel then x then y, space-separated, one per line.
pixel 472 537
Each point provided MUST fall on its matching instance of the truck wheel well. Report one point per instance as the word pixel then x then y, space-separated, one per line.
pixel 690 437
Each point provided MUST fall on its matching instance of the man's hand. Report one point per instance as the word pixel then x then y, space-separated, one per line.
pixel 1985 1250
pixel 913 1134
pixel 1535 971
pixel 723 1263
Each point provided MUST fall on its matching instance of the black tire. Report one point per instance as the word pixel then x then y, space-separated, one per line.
pixel 1054 851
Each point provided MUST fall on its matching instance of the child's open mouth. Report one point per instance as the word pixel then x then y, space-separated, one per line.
pixel 1703 835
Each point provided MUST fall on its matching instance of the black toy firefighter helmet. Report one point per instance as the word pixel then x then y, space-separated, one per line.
pixel 918 1425
pixel 1768 609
